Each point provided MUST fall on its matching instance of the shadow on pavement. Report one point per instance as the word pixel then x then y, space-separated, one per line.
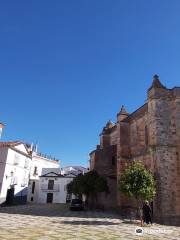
pixel 88 223
pixel 56 210
pixel 134 222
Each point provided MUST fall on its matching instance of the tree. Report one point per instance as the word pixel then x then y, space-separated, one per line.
pixel 89 184
pixel 137 182
pixel 76 186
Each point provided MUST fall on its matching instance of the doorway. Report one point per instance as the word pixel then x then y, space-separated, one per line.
pixel 49 197
pixel 10 196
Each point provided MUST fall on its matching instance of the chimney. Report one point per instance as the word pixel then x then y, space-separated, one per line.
pixel 1 128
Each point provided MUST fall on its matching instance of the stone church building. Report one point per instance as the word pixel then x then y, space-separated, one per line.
pixel 151 134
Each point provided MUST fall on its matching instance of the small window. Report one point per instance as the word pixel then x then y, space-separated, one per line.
pixel 35 171
pixel 32 199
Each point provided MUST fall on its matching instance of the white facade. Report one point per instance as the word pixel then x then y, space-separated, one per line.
pixel 39 162
pixel 74 170
pixel 19 168
pixel 52 187
pixel 15 163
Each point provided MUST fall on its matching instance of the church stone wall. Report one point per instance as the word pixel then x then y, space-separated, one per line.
pixel 151 135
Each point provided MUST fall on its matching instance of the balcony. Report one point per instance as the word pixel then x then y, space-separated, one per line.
pixel 53 188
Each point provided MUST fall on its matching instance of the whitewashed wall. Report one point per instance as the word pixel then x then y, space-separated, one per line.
pixel 19 165
pixel 39 162
pixel 22 167
pixel 58 197
pixel 3 155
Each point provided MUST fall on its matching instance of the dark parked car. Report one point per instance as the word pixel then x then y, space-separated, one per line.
pixel 76 204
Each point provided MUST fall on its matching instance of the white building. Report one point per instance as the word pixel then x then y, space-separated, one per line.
pixel 74 170
pixel 39 161
pixel 20 168
pixel 26 175
pixel 15 164
pixel 52 187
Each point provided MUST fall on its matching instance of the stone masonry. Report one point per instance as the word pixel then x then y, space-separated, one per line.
pixel 151 134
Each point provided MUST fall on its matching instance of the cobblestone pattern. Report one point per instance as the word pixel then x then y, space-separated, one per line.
pixel 54 222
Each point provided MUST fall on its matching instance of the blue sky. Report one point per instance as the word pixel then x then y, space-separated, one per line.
pixel 67 66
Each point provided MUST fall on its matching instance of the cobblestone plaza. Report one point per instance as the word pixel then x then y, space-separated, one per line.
pixel 56 222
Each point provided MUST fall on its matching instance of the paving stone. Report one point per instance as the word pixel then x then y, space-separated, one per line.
pixel 52 222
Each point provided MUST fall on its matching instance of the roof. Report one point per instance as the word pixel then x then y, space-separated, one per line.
pixel 13 144
pixel 45 157
pixel 122 111
pixel 1 125
pixel 156 83
pixel 48 170
pixel 53 174
pixel 108 130
pixel 137 113
pixel 73 171
pixel 109 124
pixel 75 167
pixel 70 175
pixel 93 151
pixel 10 143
